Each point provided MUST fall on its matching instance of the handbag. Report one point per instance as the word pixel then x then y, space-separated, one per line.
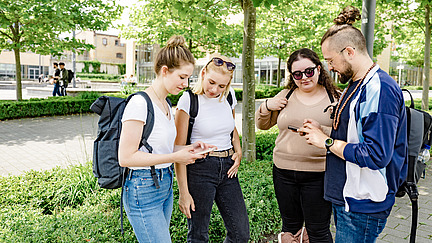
pixel 300 237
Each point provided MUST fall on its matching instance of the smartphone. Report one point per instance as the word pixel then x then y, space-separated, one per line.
pixel 206 151
pixel 293 128
pixel 296 129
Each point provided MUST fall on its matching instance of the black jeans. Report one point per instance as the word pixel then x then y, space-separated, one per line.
pixel 208 181
pixel 300 196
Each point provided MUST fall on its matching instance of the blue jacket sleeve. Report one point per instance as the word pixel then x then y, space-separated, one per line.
pixel 376 149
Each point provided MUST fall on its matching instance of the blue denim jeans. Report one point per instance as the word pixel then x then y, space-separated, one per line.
pixel 149 209
pixel 56 90
pixel 356 227
pixel 208 181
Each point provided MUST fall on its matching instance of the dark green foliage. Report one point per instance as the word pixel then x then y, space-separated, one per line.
pixel 99 76
pixel 95 65
pixel 67 205
pixel 342 86
pixel 265 143
pixel 261 92
pixel 266 91
pixel 121 68
pixel 44 107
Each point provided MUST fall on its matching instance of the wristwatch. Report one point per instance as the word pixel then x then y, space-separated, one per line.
pixel 328 143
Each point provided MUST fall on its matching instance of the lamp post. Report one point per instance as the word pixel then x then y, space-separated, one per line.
pixel 73 63
pixel 368 23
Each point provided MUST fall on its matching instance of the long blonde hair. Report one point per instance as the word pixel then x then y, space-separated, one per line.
pixel 198 87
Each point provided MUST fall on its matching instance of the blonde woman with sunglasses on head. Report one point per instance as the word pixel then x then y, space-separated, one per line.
pixel 298 170
pixel 213 178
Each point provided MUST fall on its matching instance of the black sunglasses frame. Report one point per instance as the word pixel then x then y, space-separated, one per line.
pixel 305 72
pixel 219 62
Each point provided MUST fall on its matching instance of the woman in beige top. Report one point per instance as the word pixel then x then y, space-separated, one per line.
pixel 298 171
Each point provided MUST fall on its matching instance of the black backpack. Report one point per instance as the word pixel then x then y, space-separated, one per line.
pixel 193 111
pixel 105 151
pixel 70 75
pixel 419 125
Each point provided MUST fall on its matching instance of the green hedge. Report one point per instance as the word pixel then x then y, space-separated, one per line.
pixel 43 107
pixel 70 105
pixel 66 205
pixel 99 76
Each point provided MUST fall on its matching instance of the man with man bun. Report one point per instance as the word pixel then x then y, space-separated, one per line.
pixel 367 148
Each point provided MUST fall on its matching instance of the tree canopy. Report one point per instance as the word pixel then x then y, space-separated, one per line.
pixel 203 24
pixel 37 25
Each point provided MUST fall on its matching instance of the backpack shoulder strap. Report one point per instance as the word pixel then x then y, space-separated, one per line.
pixel 148 127
pixel 290 92
pixel 193 112
pixel 230 98
pixel 331 98
pixel 169 102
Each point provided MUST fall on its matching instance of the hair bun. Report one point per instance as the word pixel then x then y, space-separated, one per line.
pixel 348 16
pixel 176 40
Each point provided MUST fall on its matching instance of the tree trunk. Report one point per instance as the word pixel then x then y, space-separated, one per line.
pixel 248 115
pixel 18 74
pixel 426 70
pixel 279 72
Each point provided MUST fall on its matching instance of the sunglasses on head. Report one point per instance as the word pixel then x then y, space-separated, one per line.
pixel 219 62
pixel 308 72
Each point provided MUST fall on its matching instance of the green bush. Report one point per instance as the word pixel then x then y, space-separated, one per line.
pixel 99 76
pixel 265 143
pixel 44 107
pixel 66 205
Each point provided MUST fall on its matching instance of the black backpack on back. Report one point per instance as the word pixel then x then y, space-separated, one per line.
pixel 70 75
pixel 105 151
pixel 419 125
pixel 193 111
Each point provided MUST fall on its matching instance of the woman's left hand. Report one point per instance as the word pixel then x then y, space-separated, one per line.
pixel 232 172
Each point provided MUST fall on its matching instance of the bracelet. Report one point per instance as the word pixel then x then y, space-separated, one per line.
pixel 266 105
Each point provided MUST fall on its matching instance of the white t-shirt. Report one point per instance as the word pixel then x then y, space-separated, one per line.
pixel 164 131
pixel 214 121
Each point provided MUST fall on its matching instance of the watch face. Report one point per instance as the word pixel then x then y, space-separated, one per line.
pixel 329 142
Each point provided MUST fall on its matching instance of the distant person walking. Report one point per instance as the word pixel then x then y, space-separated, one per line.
pixel 63 78
pixel 56 77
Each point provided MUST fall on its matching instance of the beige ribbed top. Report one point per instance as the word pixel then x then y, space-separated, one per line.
pixel 292 152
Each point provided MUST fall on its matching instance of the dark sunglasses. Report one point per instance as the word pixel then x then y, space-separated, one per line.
pixel 308 72
pixel 219 62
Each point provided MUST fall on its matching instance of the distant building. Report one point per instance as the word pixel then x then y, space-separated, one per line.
pixel 109 50
pixel 31 65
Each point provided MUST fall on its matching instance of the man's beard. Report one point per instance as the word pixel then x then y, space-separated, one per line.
pixel 346 75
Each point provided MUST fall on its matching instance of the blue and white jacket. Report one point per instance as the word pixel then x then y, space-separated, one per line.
pixel 376 153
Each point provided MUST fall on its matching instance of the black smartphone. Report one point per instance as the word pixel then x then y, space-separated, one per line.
pixel 296 129
pixel 293 128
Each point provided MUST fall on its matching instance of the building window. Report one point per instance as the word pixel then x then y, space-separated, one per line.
pixel 117 42
pixel 119 55
pixel 104 41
